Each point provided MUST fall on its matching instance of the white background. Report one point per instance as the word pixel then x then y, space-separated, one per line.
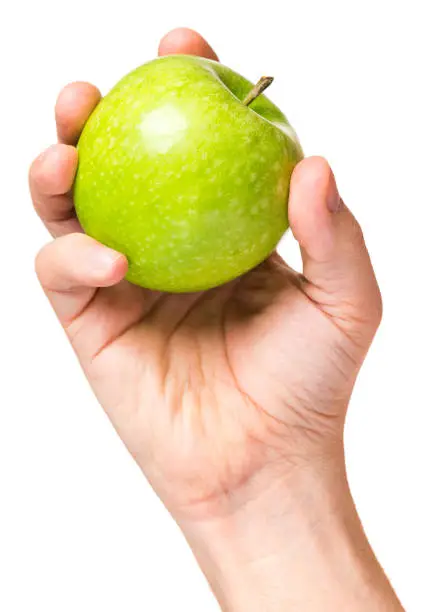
pixel 80 529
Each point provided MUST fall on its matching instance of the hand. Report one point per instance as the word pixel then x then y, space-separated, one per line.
pixel 225 396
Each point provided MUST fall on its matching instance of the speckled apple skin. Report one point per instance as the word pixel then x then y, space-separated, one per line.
pixel 187 182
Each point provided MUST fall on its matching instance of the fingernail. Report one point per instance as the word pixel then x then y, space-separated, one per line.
pixel 103 258
pixel 333 200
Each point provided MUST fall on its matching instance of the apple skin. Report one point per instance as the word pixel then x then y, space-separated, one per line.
pixel 177 174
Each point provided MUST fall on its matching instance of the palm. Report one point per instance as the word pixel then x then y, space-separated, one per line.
pixel 210 385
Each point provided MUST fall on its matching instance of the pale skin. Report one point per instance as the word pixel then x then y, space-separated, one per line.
pixel 232 401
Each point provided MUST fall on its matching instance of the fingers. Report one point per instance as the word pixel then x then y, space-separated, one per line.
pixel 71 268
pixel 52 174
pixel 74 104
pixel 51 177
pixel 335 259
pixel 186 41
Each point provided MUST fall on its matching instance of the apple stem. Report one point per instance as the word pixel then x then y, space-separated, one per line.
pixel 258 89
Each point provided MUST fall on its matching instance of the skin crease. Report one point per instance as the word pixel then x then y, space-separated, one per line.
pixel 220 396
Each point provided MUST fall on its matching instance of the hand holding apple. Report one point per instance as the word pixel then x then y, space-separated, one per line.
pixel 232 400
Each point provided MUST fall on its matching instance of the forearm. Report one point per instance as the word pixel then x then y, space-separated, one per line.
pixel 298 547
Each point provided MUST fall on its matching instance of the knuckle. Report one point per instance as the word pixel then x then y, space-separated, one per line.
pixel 36 170
pixel 42 264
pixel 357 234
pixel 378 308
pixel 53 171
pixel 41 167
pixel 369 312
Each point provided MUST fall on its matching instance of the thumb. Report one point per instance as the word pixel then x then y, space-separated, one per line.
pixel 336 264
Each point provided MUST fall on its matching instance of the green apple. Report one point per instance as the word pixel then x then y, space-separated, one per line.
pixel 181 176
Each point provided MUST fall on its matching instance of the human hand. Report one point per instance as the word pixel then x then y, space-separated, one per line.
pixel 226 396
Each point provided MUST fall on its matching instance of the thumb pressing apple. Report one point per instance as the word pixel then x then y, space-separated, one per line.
pixel 335 258
pixel 184 167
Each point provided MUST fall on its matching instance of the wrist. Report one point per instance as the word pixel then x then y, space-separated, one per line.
pixel 296 545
